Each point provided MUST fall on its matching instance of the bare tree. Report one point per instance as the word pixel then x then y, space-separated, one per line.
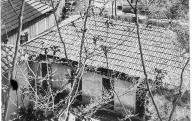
pixel 142 59
pixel 15 57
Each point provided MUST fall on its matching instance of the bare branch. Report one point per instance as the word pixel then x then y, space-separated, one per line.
pixel 12 7
pixel 180 88
pixel 142 60
pixel 130 5
pixel 83 36
pixel 63 42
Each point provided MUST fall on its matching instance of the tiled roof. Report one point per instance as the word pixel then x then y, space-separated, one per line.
pixel 32 10
pixel 124 56
pixel 6 57
pixel 7 53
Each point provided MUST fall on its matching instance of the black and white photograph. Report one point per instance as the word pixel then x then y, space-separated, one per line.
pixel 95 60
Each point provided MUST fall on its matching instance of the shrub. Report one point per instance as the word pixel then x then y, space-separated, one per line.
pixel 28 113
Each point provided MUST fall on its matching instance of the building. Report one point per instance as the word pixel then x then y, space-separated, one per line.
pixel 37 17
pixel 123 56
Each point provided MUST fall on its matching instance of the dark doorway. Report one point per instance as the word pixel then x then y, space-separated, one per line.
pixel 140 100
pixel 44 68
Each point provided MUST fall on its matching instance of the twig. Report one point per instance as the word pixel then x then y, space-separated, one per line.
pixel 131 5
pixel 83 36
pixel 180 93
pixel 35 82
pixel 63 42
pixel 12 7
pixel 114 47
pixel 143 64
pixel 27 80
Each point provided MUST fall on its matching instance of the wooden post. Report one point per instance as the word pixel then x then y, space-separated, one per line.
pixel 115 7
pixel 112 8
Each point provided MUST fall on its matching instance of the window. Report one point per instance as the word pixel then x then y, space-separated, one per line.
pixel 45 69
pixel 132 1
pixel 107 92
pixel 5 40
pixel 24 37
pixel 39 68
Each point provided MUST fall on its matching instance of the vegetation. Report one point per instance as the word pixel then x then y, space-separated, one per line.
pixel 165 9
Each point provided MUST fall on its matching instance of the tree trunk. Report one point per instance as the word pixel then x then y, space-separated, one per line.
pixel 15 58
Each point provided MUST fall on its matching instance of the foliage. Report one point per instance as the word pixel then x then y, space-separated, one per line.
pixel 29 113
pixel 165 99
pixel 179 9
pixel 163 9
pixel 182 33
pixel 43 104
pixel 98 108
pixel 165 106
